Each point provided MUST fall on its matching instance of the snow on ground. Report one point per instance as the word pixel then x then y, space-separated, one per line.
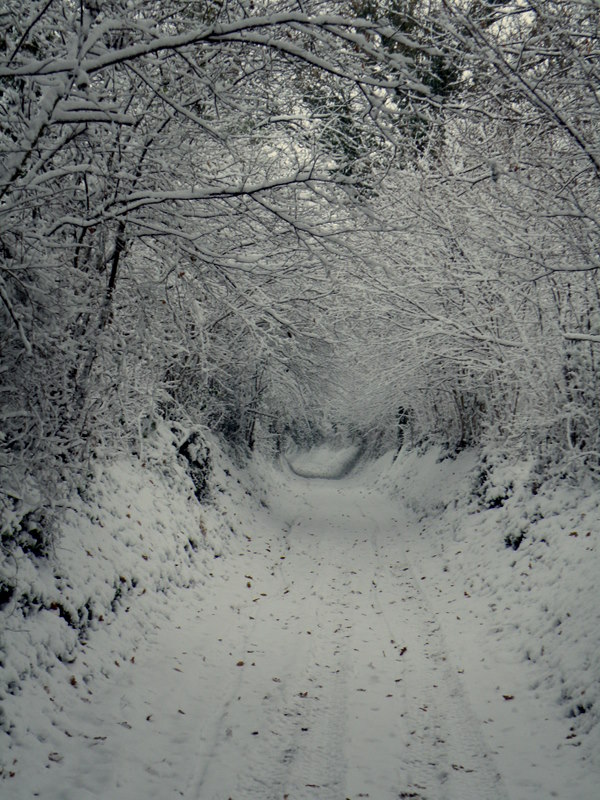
pixel 365 637
pixel 323 461
pixel 524 623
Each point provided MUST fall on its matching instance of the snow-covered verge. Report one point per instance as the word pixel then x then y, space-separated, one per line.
pixel 513 568
pixel 137 534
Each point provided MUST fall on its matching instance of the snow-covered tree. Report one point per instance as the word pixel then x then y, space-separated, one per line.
pixel 169 210
pixel 486 292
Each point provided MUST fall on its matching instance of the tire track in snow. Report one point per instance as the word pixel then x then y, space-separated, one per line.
pixel 275 733
pixel 312 692
pixel 317 767
pixel 446 756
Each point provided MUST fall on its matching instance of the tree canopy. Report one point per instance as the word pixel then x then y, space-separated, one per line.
pixel 282 219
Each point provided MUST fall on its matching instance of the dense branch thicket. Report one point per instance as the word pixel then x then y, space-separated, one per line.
pixel 483 306
pixel 295 218
pixel 169 214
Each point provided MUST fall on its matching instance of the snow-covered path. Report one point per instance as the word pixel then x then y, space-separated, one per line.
pixel 346 689
pixel 311 665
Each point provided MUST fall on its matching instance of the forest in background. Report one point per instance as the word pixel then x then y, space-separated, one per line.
pixel 285 221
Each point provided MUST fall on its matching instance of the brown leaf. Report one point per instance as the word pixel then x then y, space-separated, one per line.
pixel 508 696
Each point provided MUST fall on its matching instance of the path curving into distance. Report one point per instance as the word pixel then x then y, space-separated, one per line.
pixel 311 665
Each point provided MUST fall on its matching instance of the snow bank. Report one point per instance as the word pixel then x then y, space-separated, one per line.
pixel 519 564
pixel 136 535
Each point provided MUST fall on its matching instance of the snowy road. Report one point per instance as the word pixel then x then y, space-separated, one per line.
pixel 309 666
pixel 352 689
pixel 346 688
